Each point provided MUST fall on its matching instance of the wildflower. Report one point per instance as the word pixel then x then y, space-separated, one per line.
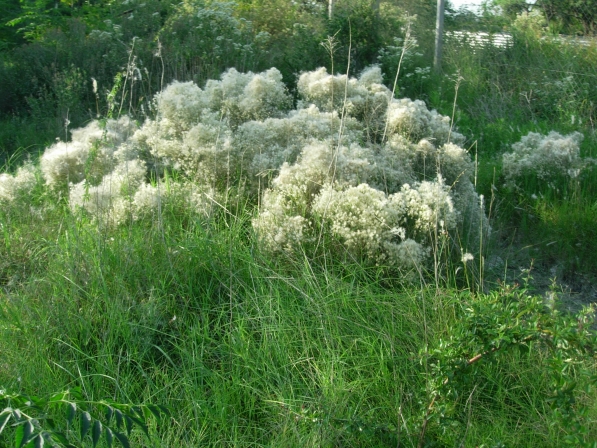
pixel 546 156
pixel 467 257
pixel 15 188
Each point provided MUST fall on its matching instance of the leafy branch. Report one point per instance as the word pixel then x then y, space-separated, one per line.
pixel 66 418
pixel 492 325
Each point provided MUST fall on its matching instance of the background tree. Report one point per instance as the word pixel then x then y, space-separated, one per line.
pixel 568 16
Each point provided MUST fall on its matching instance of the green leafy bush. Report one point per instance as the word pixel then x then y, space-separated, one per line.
pixel 65 419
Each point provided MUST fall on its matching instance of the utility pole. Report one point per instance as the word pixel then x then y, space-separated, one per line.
pixel 439 32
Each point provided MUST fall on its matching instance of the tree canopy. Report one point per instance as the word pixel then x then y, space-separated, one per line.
pixel 569 16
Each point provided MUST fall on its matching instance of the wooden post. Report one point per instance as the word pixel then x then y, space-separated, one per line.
pixel 439 32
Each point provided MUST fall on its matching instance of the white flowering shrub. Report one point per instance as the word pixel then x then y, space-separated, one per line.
pixel 365 98
pixel 368 100
pixel 181 104
pixel 124 196
pixel 378 178
pixel 394 229
pixel 266 145
pixel 246 96
pixel 15 189
pixel 88 156
pixel 387 203
pixel 548 157
pixel 412 119
pixel 283 220
pixel 65 162
pixel 193 130
pixel 333 188
pixel 183 197
pixel 201 151
pixel 111 200
pixel 359 216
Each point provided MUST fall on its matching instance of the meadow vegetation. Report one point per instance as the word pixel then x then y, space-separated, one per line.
pixel 252 224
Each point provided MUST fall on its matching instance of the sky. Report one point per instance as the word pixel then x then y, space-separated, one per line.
pixel 470 4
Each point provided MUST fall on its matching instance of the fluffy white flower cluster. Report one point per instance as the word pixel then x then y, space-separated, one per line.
pixel 15 188
pixel 237 97
pixel 361 98
pixel 412 119
pixel 330 188
pixel 368 100
pixel 266 145
pixel 181 105
pixel 365 98
pixel 548 157
pixel 393 229
pixel 109 201
pixel 321 168
pixel 124 196
pixel 89 155
pixel 197 131
pixel 247 96
pixel 387 202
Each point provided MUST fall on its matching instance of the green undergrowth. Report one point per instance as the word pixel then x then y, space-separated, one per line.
pixel 19 139
pixel 499 95
pixel 181 323
pixel 243 350
pixel 554 219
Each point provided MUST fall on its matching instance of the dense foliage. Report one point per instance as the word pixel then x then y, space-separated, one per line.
pixel 570 16
pixel 197 248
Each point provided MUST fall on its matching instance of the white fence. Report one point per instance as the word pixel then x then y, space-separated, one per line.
pixel 481 39
pixel 505 40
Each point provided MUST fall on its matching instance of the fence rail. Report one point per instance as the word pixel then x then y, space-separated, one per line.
pixel 505 40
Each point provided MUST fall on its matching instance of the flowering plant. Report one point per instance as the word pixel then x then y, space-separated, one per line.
pixel 384 178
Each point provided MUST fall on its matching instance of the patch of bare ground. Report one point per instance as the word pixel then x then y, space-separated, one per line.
pixel 512 263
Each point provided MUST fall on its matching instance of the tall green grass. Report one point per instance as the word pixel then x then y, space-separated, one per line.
pixel 246 350
pixel 538 84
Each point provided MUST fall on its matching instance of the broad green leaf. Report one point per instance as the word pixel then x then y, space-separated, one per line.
pixel 109 437
pixel 4 418
pixel 128 421
pixel 155 411
pixel 71 410
pixel 109 413
pixel 96 432
pixel 60 437
pixel 85 424
pixel 36 402
pixel 124 441
pixel 39 441
pixel 27 431
pixel 141 425
pixel 76 392
pixel 19 436
pixel 119 418
pixel 137 411
pixel 59 396
pixel 49 422
pixel 164 409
